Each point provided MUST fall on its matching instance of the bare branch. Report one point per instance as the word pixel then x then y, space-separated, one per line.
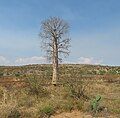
pixel 54 29
pixel 53 34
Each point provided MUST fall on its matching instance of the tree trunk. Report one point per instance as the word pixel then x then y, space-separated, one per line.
pixel 55 62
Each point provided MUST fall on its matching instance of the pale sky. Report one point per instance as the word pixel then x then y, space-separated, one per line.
pixel 94 30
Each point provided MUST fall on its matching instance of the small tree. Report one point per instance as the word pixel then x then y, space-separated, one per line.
pixel 55 42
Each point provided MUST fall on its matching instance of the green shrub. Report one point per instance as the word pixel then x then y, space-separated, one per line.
pixel 14 114
pixel 95 104
pixel 26 115
pixel 116 111
pixel 76 89
pixel 80 105
pixel 67 106
pixel 17 74
pixel 35 87
pixel 47 111
pixel 102 72
pixel 112 72
pixel 1 74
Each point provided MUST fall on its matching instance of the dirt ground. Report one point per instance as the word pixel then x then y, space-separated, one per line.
pixel 77 114
pixel 74 114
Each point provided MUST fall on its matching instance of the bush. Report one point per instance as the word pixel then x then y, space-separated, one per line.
pixel 77 89
pixel 95 105
pixel 27 102
pixel 14 114
pixel 67 106
pixel 47 111
pixel 35 87
pixel 116 111
pixel 1 74
pixel 17 74
pixel 1 91
pixel 80 105
pixel 102 72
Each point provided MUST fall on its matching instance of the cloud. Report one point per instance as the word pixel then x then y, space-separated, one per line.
pixel 41 60
pixel 68 62
pixel 30 60
pixel 22 61
pixel 89 60
pixel 85 60
pixel 4 61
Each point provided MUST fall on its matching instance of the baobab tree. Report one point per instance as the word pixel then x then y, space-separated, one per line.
pixel 55 42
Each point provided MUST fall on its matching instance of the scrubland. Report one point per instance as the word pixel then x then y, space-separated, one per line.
pixel 26 91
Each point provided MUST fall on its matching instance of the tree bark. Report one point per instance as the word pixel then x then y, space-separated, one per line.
pixel 55 62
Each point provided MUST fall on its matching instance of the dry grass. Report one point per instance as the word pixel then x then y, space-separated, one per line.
pixel 65 97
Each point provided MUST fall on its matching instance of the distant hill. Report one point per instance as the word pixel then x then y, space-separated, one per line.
pixel 71 71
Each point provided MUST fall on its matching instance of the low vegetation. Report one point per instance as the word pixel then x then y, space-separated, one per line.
pixel 31 95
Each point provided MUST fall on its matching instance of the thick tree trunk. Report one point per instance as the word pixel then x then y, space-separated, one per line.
pixel 55 62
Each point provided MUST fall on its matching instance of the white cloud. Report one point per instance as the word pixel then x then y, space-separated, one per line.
pixel 30 60
pixel 68 62
pixel 22 61
pixel 85 60
pixel 4 61
pixel 41 60
pixel 89 60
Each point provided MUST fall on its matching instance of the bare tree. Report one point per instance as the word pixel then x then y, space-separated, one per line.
pixel 55 41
